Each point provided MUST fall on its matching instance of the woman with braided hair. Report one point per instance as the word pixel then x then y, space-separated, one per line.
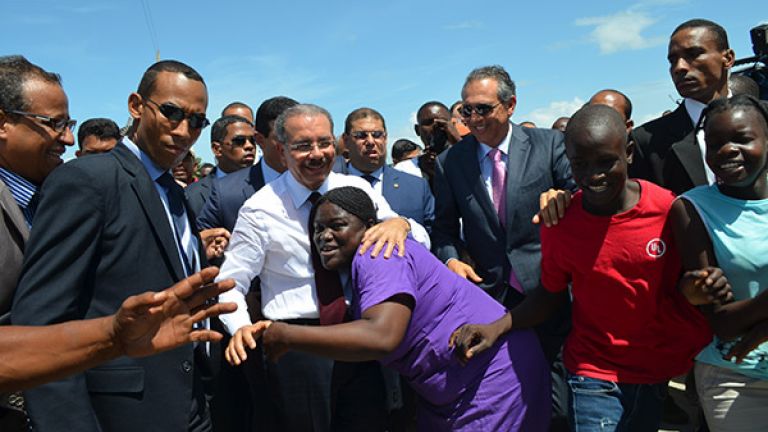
pixel 404 310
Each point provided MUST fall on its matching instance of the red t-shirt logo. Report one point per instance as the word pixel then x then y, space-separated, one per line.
pixel 656 248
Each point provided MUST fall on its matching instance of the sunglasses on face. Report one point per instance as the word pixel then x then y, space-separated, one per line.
pixel 57 125
pixel 361 135
pixel 239 140
pixel 176 115
pixel 482 110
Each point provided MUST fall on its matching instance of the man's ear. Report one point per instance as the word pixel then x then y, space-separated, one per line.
pixel 4 123
pixel 729 57
pixel 510 106
pixel 416 128
pixel 135 105
pixel 216 149
pixel 630 149
pixel 261 140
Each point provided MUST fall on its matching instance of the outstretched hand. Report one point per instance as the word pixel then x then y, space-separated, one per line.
pixel 244 337
pixel 464 270
pixel 552 206
pixel 706 286
pixel 215 241
pixel 153 322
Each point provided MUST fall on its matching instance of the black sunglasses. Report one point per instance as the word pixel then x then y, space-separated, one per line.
pixel 58 125
pixel 239 140
pixel 482 110
pixel 364 134
pixel 176 115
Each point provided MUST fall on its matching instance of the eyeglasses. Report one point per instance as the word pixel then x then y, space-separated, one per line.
pixel 239 140
pixel 57 125
pixel 482 110
pixel 307 146
pixel 361 135
pixel 176 115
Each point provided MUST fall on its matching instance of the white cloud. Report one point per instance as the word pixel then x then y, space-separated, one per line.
pixel 544 117
pixel 621 31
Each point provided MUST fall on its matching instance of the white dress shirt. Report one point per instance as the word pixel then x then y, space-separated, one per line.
pixel 271 241
pixel 695 109
pixel 410 166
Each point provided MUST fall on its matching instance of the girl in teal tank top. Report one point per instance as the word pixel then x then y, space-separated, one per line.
pixel 731 218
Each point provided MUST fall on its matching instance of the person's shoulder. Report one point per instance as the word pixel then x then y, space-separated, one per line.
pixel 266 197
pixel 656 194
pixel 541 135
pixel 236 178
pixel 408 179
pixel 93 170
pixel 203 183
pixel 337 180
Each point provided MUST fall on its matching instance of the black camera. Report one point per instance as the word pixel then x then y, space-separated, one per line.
pixel 756 67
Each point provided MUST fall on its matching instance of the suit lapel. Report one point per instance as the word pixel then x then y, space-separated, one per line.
pixel 144 189
pixel 474 179
pixel 517 159
pixel 9 207
pixel 689 155
pixel 255 179
pixel 390 178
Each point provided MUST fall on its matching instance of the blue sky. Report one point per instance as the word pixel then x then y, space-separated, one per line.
pixel 388 55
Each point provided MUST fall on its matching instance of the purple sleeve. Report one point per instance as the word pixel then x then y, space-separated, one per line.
pixel 378 279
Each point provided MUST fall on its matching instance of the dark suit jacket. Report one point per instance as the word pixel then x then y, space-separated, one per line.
pixel 537 162
pixel 227 196
pixel 408 195
pixel 102 235
pixel 198 192
pixel 666 153
pixel 13 235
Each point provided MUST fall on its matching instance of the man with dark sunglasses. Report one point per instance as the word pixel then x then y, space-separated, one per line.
pixel 233 143
pixel 116 224
pixel 491 181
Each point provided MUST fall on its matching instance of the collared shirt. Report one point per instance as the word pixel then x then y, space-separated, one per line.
pixel 378 175
pixel 271 241
pixel 187 237
pixel 22 191
pixel 268 173
pixel 486 164
pixel 219 173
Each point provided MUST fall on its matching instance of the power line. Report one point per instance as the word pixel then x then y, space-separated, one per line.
pixel 151 27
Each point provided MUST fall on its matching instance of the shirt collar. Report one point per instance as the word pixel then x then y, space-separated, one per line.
pixel 300 193
pixel 219 173
pixel 483 149
pixel 268 172
pixel 695 108
pixel 356 172
pixel 21 189
pixel 153 170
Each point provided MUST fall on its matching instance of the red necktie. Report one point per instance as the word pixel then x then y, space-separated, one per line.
pixel 330 294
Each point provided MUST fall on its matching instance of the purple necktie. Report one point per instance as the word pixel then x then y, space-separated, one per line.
pixel 499 185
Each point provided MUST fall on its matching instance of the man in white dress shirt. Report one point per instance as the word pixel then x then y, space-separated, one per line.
pixel 271 241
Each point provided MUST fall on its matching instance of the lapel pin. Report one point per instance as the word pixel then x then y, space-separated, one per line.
pixel 396 185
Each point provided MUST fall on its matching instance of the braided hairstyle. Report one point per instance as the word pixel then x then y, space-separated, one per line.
pixel 741 100
pixel 353 200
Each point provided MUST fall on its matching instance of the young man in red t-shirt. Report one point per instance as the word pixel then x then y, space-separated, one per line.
pixel 632 327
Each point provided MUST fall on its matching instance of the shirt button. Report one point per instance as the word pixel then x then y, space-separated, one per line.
pixel 186 366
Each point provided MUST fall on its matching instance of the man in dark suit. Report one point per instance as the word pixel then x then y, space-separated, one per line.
pixel 233 144
pixel 365 136
pixel 666 149
pixel 229 193
pixel 115 224
pixel 491 181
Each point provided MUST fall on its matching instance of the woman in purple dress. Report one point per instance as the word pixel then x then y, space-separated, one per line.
pixel 405 309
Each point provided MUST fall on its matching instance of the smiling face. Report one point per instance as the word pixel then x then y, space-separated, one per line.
pixel 699 69
pixel 308 168
pixel 490 129
pixel 736 147
pixel 164 141
pixel 28 147
pixel 599 159
pixel 338 234
pixel 367 153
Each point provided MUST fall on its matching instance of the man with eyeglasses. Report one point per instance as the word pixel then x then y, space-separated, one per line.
pixel 365 135
pixel 116 224
pixel 491 181
pixel 271 240
pixel 35 130
pixel 233 143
